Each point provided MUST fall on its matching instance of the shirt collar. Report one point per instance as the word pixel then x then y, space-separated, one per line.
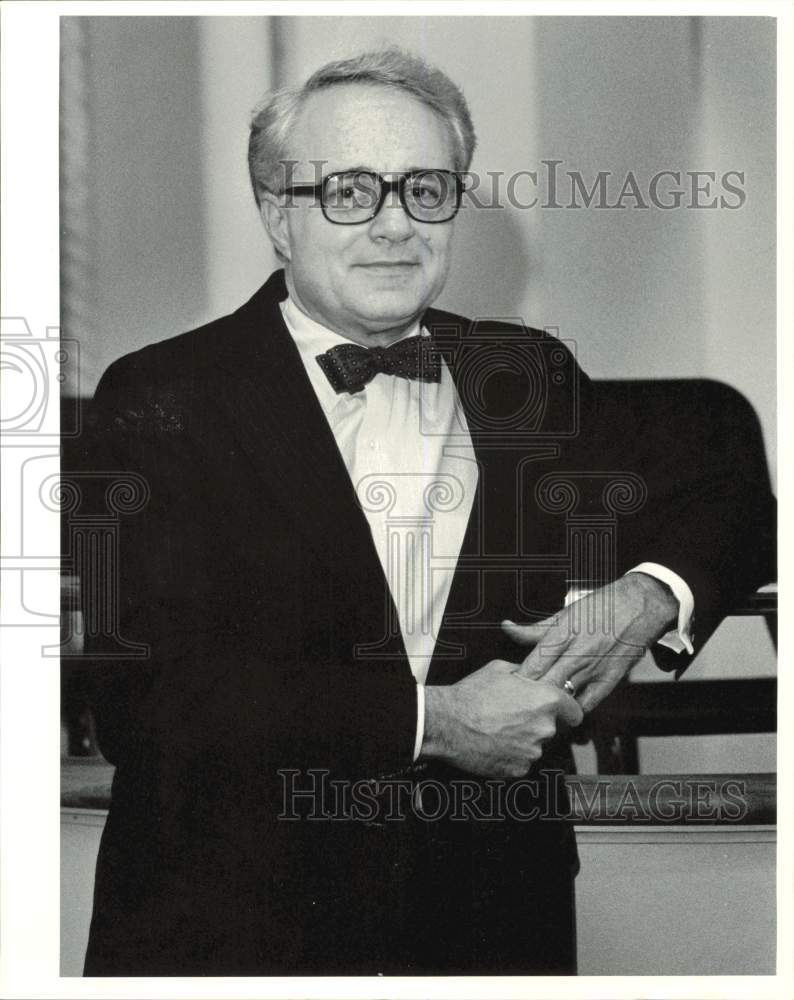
pixel 312 338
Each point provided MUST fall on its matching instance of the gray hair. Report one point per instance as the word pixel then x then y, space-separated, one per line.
pixel 274 119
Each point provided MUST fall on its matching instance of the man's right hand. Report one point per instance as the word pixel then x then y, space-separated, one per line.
pixel 494 722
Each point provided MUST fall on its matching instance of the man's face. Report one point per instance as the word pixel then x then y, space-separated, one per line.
pixel 369 281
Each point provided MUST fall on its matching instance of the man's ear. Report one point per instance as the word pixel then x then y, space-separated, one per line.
pixel 274 219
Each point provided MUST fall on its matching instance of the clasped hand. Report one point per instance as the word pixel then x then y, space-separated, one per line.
pixel 495 721
pixel 594 642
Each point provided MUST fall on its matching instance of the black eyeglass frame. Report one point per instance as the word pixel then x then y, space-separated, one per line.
pixel 386 187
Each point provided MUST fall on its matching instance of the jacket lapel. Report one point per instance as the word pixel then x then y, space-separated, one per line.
pixel 285 435
pixel 453 647
pixel 284 432
pixel 483 592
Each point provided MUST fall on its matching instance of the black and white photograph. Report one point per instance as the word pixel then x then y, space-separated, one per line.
pixel 391 462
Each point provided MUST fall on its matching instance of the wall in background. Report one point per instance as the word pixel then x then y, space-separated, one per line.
pixel 644 293
pixel 161 233
pixel 698 922
pixel 739 247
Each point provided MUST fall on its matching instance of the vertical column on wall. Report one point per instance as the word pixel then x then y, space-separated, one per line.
pixel 78 313
pixel 237 68
pixel 737 147
pixel 735 134
pixel 132 226
pixel 616 105
pixel 498 269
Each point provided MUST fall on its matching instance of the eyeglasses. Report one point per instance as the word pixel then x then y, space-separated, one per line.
pixel 351 197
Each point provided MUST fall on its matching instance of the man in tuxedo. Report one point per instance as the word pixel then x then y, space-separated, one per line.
pixel 350 494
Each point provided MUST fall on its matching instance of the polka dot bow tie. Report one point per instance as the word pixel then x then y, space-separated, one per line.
pixel 349 367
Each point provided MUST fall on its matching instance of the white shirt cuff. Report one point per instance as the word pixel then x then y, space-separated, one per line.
pixel 680 638
pixel 677 639
pixel 420 720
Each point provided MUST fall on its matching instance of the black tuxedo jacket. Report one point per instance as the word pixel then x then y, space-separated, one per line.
pixel 252 578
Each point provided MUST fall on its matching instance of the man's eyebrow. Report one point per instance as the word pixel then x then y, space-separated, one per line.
pixel 371 170
pixel 360 169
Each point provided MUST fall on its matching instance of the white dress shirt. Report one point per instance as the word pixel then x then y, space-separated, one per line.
pixel 417 489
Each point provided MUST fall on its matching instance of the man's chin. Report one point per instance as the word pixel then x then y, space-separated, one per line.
pixel 389 321
pixel 387 310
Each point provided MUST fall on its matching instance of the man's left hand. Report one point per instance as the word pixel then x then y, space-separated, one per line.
pixel 595 641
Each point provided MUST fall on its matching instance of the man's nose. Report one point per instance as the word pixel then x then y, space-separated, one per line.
pixel 392 222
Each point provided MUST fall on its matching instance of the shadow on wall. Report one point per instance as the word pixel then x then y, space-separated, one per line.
pixel 491 268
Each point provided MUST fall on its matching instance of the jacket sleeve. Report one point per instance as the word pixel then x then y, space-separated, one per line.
pixel 709 513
